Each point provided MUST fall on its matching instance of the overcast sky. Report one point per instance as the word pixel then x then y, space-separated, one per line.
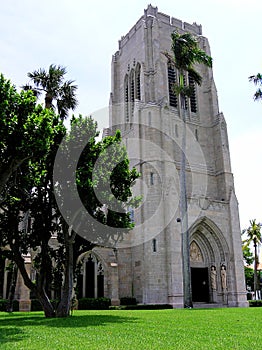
pixel 82 35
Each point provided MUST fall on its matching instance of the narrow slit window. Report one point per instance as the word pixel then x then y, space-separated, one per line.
pixel 196 134
pixel 151 178
pixel 176 130
pixel 154 245
pixel 149 119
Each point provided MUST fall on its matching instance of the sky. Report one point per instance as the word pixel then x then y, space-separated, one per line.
pixel 83 35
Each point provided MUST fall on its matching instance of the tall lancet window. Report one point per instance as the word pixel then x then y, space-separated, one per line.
pixel 185 83
pixel 138 82
pixel 171 74
pixel 126 88
pixel 193 101
pixel 132 92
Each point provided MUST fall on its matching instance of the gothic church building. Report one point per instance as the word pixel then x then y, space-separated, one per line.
pixel 147 264
pixel 144 107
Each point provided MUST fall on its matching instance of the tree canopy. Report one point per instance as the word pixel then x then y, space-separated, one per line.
pixel 52 83
pixel 253 233
pixel 30 216
pixel 25 130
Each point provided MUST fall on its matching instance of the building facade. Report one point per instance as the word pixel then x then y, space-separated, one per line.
pixel 144 107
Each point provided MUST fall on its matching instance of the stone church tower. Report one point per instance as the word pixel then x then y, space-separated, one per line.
pixel 144 108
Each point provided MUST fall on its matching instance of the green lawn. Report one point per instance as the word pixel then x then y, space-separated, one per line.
pixel 195 329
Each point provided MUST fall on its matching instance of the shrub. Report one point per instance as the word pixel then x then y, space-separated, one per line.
pixel 94 304
pixel 148 307
pixel 4 302
pixel 255 303
pixel 128 301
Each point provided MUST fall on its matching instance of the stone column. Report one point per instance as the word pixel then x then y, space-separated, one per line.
pixel 115 301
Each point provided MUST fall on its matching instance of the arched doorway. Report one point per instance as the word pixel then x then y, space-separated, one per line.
pixel 208 253
pixel 199 275
pixel 90 281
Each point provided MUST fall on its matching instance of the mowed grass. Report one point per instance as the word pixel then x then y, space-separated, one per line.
pixel 229 328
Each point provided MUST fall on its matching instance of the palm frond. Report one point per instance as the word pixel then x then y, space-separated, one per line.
pixel 53 83
pixel 256 79
pixel 258 95
pixel 36 91
pixel 195 76
pixel 186 51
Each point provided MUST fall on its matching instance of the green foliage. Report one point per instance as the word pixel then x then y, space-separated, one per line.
pixel 249 277
pixel 253 233
pixel 103 180
pixel 128 301
pixel 94 303
pixel 4 303
pixel 247 254
pixel 52 83
pixel 29 214
pixel 26 130
pixel 185 53
pixel 255 303
pixel 146 307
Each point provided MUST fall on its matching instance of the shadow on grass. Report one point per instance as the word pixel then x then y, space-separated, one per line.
pixel 10 335
pixel 12 327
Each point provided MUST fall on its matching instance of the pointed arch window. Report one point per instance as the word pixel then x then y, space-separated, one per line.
pixel 132 90
pixel 193 101
pixel 171 74
pixel 138 82
pixel 186 101
pixel 90 282
pixel 126 88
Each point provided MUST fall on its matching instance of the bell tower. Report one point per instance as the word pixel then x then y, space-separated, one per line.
pixel 146 110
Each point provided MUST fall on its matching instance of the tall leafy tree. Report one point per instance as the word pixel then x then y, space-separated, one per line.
pixel 185 54
pixel 254 236
pixel 55 88
pixel 30 196
pixel 102 179
pixel 248 257
pixel 25 130
pixel 257 80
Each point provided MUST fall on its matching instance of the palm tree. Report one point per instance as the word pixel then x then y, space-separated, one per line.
pixel 254 236
pixel 185 53
pixel 52 83
pixel 257 80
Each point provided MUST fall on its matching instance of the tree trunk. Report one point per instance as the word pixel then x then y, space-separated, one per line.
pixel 11 292
pixel 184 216
pixel 46 304
pixel 40 292
pixel 255 272
pixel 48 101
pixel 64 306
